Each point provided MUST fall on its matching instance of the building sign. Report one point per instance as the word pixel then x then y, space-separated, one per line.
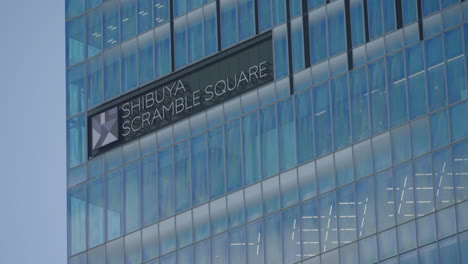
pixel 184 93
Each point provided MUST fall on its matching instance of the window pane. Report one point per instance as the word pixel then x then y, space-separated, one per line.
pixel 146 57
pixel 132 197
pixel 359 104
pixel 219 249
pixel 76 140
pixel 328 233
pixel 182 176
pixel 201 222
pixel 417 95
pixel 75 40
pixel 211 36
pixel 218 216
pixel 115 251
pixel 317 29
pixel 150 242
pixel 297 44
pixel 420 137
pixel 368 250
pixel 446 222
pixel 460 166
pixel 199 171
pixel 76 220
pixel 128 17
pixel 346 214
pixel 384 200
pixel 76 90
pixel 407 237
pixel 424 195
pixel 255 237
pixel 322 120
pixel 426 223
pixel 149 189
pixel 237 246
pixel 74 7
pixel 439 129
pixel 309 223
pixel 269 147
pixel 397 89
pixel 250 140
pixel 97 255
pixel 195 36
pixel 201 252
pixel 448 250
pixel 325 174
pixel 336 28
pixel 94 32
pixel 271 195
pixel 428 254
pixel 129 65
pixel 184 229
pixel 235 205
pixel 111 73
pixel 273 252
pixel 365 207
pixel 409 10
pixel 114 199
pixel 456 80
pixel 253 202
pixel 304 130
pixel 357 22
pixel 401 144
pixel 163 50
pixel 341 126
pixel 166 184
pixel 381 151
pixel 443 182
pixel 378 96
pixel 228 23
pixel 145 13
pixel 246 19
pixel 94 81
pixel 161 12
pixel 180 42
pixel 291 235
pixel 280 47
pixel 233 155
pixel 404 193
pixel 133 248
pixel 374 12
pixel 289 192
pixel 167 236
pixel 216 162
pixel 287 144
pixel 110 13
pixel 387 244
pixel 344 166
pixel 95 192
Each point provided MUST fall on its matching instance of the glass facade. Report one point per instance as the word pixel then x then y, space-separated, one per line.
pixel 356 153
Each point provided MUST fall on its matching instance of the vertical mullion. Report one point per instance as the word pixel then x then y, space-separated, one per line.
pixel 305 25
pixel 420 17
pixel 218 23
pixel 288 35
pixel 366 20
pixel 348 32
pixel 171 19
pixel 399 14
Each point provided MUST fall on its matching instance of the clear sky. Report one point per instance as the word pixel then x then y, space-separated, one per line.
pixel 32 132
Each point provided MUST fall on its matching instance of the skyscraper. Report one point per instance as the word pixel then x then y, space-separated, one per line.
pixel 267 131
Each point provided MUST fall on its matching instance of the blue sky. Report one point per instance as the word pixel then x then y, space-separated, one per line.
pixel 32 132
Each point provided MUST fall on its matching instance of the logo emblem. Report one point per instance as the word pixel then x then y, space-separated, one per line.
pixel 105 129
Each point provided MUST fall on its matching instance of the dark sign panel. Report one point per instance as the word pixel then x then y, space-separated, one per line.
pixel 191 90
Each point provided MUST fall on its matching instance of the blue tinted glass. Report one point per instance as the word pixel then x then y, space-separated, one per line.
pixel 271 195
pixel 76 140
pixel 219 249
pixel 428 254
pixel 169 259
pixel 235 209
pixel 453 43
pixel 304 129
pixel 216 162
pixel 76 175
pixel 362 159
pixel 199 177
pixel 439 129
pixel 359 104
pixel 397 89
pixel 279 11
pixel 432 25
pixel 201 222
pixel 347 215
pixel 315 3
pixel 75 31
pixel 456 80
pixel 97 255
pixel 129 65
pixel 180 7
pixel 403 181
pixel 389 15
pixel 76 220
pixel 291 235
pixel 442 167
pixel 407 237
pixel 280 47
pixel 161 11
pixel 95 192
pixel 94 81
pixel 113 159
pixel 194 4
pixel 132 197
pixel 387 244
pixel 195 36
pixel 295 8
pixel 436 87
pixel 381 152
pixel 250 143
pixel 132 248
pixel 201 252
pixel 327 211
pixel 368 250
pixel 287 146
pixel 165 184
pixel 180 42
pixel 111 61
pixel 420 137
pixel 322 120
pixel 357 22
pixel 307 181
pixel 246 18
pixel 76 90
pixel 233 156
pixel 414 59
pixel 145 14
pixel 384 204
pixel 457 116
pixel 336 28
pixel 182 176
pixel 463 247
pixel 115 251
pixel 297 44
pixel 93 32
pixel 325 174
pixel 236 244
pixel 74 7
pixel 378 96
pixel 400 144
pixel 446 222
pixel 146 57
pixel 211 37
pixel 430 6
pixel 288 186
pixel 184 229
pixel 317 29
pixel 149 195
pixel 128 18
pixel 460 167
pixel 273 239
pixel 423 224
pixel 167 237
pixel 110 17
pixel 374 12
pixel 409 11
pixel 423 183
pixel 365 208
pixel 340 102
pixel 163 50
pixel 185 255
pixel 269 147
pixel 114 197
pixel 434 51
pixel 344 166
pixel 448 250
pixel 228 23
pixel 417 95
pixel 309 222
pixel 253 202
